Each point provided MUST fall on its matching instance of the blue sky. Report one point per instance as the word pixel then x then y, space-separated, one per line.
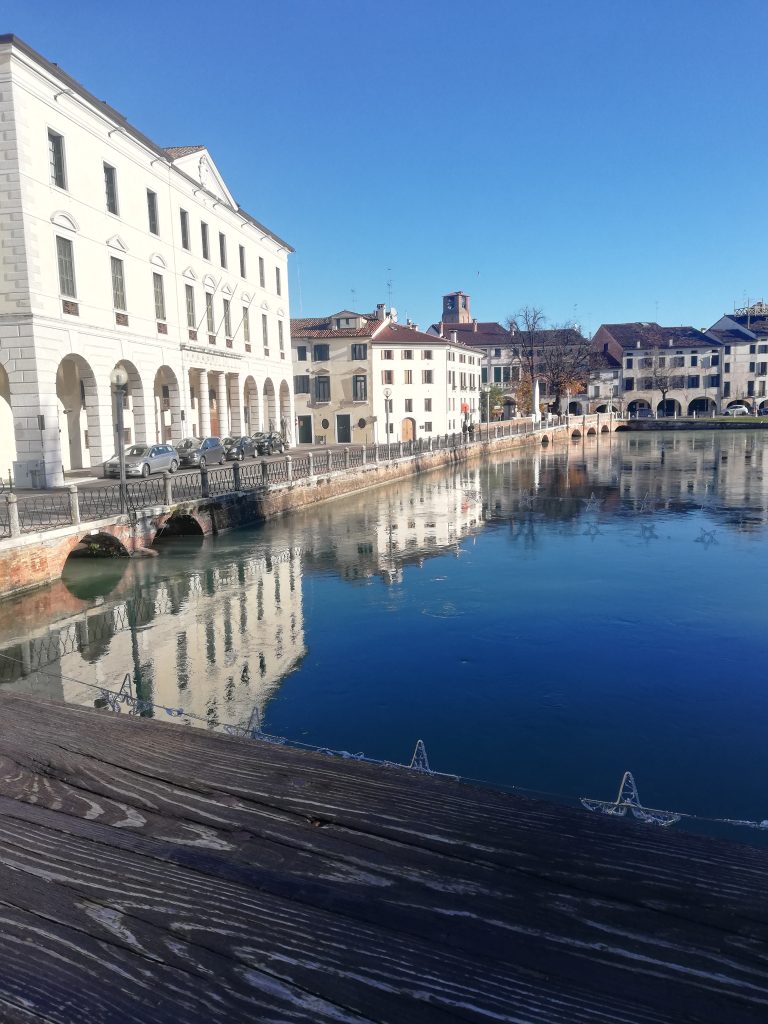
pixel 603 160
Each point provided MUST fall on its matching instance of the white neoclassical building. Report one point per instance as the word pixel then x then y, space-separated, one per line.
pixel 116 251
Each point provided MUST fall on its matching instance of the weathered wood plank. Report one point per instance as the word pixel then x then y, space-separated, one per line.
pixel 382 975
pixel 592 853
pixel 392 895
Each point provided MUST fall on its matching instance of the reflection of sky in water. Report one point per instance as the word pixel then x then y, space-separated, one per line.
pixel 547 621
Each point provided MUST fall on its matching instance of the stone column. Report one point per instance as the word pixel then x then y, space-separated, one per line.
pixel 204 411
pixel 235 406
pixel 221 402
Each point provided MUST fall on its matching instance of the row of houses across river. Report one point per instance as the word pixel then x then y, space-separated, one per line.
pixel 129 273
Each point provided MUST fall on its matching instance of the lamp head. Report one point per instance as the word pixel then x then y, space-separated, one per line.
pixel 387 392
pixel 119 377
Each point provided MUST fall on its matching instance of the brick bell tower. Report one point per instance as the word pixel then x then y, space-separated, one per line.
pixel 456 309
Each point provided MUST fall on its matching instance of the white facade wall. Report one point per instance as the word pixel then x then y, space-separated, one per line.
pixel 455 385
pixel 35 332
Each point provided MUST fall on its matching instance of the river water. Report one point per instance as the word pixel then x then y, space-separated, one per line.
pixel 545 620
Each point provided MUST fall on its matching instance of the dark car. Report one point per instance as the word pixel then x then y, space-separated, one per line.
pixel 241 448
pixel 194 452
pixel 271 443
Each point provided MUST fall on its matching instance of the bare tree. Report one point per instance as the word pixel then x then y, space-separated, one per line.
pixel 659 376
pixel 558 356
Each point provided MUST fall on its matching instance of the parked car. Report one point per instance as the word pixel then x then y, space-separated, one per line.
pixel 642 414
pixel 228 441
pixel 271 443
pixel 194 452
pixel 241 448
pixel 143 459
pixel 737 410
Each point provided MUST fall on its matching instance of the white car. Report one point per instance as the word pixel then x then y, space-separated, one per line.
pixel 737 410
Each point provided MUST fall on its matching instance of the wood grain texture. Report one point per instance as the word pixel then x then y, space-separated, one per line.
pixel 253 882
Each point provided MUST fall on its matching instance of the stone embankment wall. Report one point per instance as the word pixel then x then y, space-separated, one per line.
pixel 35 559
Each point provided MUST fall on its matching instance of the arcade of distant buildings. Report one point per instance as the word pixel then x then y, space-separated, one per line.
pixel 130 274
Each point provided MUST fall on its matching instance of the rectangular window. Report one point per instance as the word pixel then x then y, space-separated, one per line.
pixel 428 426
pixel 301 384
pixel 762 349
pixel 762 369
pixel 118 284
pixel 359 353
pixel 752 349
pixel 204 240
pixel 693 380
pixel 222 250
pixel 407 353
pixel 750 388
pixel 427 405
pixel 360 388
pixel 387 376
pixel 154 224
pixel 630 363
pixel 713 381
pixel 261 271
pixel 66 262
pixel 752 367
pixel 184 219
pixel 265 333
pixel 409 405
pixel 301 353
pixel 56 153
pixel 387 354
pixel 227 320
pixel 629 384
pixel 110 188
pixel 246 326
pixel 278 282
pixel 427 353
pixel 727 389
pixel 157 280
pixel 426 376
pixel 727 368
pixel 189 292
pixel 727 350
pixel 694 360
pixel 321 353
pixel 210 322
pixel 322 389
pixel 242 261
pixel 280 337
pixel 407 376
pixel 497 375
pixel 484 374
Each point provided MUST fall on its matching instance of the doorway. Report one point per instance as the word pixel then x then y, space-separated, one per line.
pixel 408 429
pixel 343 429
pixel 305 429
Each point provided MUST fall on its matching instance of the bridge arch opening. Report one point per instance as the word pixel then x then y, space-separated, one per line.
pixel 98 545
pixel 545 439
pixel 604 429
pixel 181 525
pixel 591 432
pixel 575 435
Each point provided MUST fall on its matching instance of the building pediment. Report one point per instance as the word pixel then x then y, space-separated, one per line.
pixel 64 220
pixel 196 162
pixel 116 242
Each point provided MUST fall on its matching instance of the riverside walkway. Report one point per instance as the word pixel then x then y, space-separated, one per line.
pixel 151 872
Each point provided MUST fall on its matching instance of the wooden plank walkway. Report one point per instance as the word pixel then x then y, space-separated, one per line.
pixel 154 873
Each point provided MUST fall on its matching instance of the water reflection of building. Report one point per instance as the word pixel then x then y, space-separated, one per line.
pixel 413 520
pixel 724 467
pixel 216 642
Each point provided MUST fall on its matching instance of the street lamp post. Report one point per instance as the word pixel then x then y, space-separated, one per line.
pixel 387 396
pixel 119 381
pixel 487 392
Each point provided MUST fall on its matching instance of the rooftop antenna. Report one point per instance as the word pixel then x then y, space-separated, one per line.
pixel 354 298
pixel 656 314
pixel 389 286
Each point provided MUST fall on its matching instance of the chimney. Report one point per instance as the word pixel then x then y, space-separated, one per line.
pixel 669 343
pixel 474 326
pixel 380 307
